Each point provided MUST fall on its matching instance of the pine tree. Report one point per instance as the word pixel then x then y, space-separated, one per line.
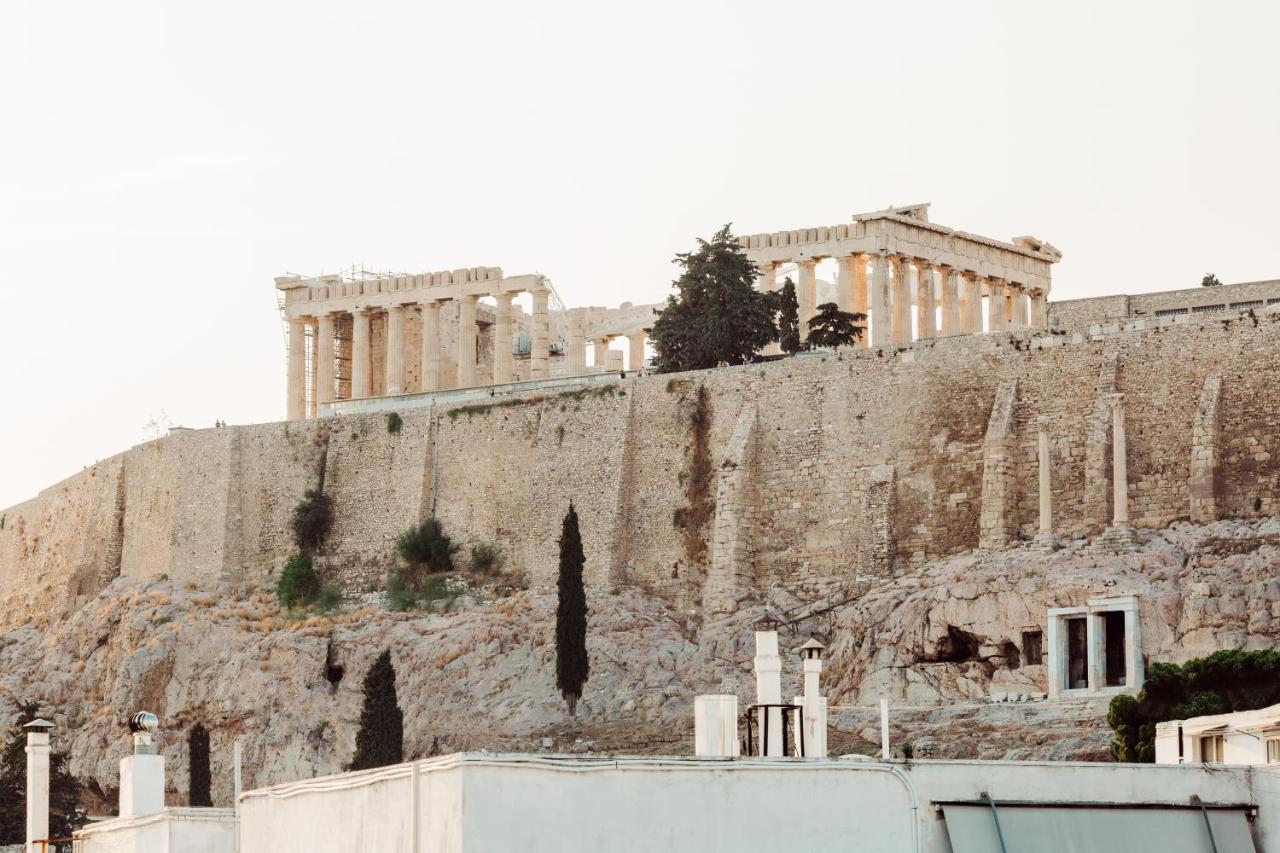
pixel 380 740
pixel 716 315
pixel 832 327
pixel 65 814
pixel 788 308
pixel 572 664
pixel 198 783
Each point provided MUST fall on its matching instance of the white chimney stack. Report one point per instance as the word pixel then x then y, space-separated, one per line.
pixel 814 714
pixel 768 666
pixel 715 726
pixel 37 783
pixel 142 774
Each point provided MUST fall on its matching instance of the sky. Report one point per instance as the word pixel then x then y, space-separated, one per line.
pixel 161 162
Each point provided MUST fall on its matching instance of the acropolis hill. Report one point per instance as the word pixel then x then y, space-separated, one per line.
pixel 980 436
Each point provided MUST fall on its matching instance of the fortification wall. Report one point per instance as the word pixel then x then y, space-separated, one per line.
pixel 1080 313
pixel 814 470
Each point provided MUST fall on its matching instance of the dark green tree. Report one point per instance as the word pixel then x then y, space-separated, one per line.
pixel 380 740
pixel 198 782
pixel 572 665
pixel 716 315
pixel 65 814
pixel 312 518
pixel 831 327
pixel 1225 681
pixel 788 308
pixel 1209 280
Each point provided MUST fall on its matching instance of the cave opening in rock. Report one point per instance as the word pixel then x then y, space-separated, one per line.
pixel 958 646
pixel 333 671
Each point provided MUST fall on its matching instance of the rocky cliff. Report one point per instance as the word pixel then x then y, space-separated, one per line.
pixel 945 642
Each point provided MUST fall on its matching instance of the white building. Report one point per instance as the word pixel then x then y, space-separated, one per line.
pixel 1243 737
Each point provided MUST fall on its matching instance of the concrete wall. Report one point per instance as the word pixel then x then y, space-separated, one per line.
pixel 530 803
pixel 859 463
pixel 174 830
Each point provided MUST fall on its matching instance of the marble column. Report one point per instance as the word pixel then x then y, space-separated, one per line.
pixel 296 398
pixel 844 283
pixel 901 301
pixel 576 343
pixel 1009 288
pixel 950 301
pixel 879 301
pixel 37 785
pixel 600 354
pixel 973 302
pixel 313 407
pixel 540 351
pixel 995 305
pixel 360 353
pixel 1039 317
pixel 1021 309
pixel 324 365
pixel 503 358
pixel 1119 463
pixel 926 307
pixel 1046 483
pixel 860 295
pixel 395 350
pixel 807 294
pixel 466 341
pixel 635 355
pixel 431 346
pixel 767 281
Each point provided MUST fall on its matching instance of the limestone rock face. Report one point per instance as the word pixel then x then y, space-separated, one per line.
pixel 946 643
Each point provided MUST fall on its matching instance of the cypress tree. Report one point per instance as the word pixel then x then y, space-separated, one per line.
pixel 64 791
pixel 788 317
pixel 380 740
pixel 198 783
pixel 572 664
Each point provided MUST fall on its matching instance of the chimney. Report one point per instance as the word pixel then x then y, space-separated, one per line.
pixel 814 705
pixel 142 774
pixel 769 686
pixel 37 783
pixel 715 726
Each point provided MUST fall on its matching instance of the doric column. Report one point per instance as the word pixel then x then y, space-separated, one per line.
pixel 503 359
pixel 860 294
pixel 360 353
pixel 950 301
pixel 767 281
pixel 1039 317
pixel 995 305
pixel 395 350
pixel 1119 463
pixel 927 318
pixel 635 356
pixel 296 397
pixel 900 306
pixel 576 345
pixel 1046 484
pixel 324 365
pixel 844 283
pixel 973 302
pixel 540 352
pixel 1008 304
pixel 312 384
pixel 807 294
pixel 600 353
pixel 879 301
pixel 466 341
pixel 1021 308
pixel 431 346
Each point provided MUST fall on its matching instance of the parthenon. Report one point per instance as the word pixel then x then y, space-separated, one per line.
pixel 361 336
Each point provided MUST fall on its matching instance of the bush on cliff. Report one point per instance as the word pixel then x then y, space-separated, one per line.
pixel 572 663
pixel 427 546
pixel 1225 681
pixel 299 585
pixel 312 518
pixel 380 739
pixel 65 814
pixel 716 315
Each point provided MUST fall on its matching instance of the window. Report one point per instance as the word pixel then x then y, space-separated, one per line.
pixel 1273 750
pixel 1032 647
pixel 1211 749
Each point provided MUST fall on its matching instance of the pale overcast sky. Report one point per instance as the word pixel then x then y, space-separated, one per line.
pixel 160 162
